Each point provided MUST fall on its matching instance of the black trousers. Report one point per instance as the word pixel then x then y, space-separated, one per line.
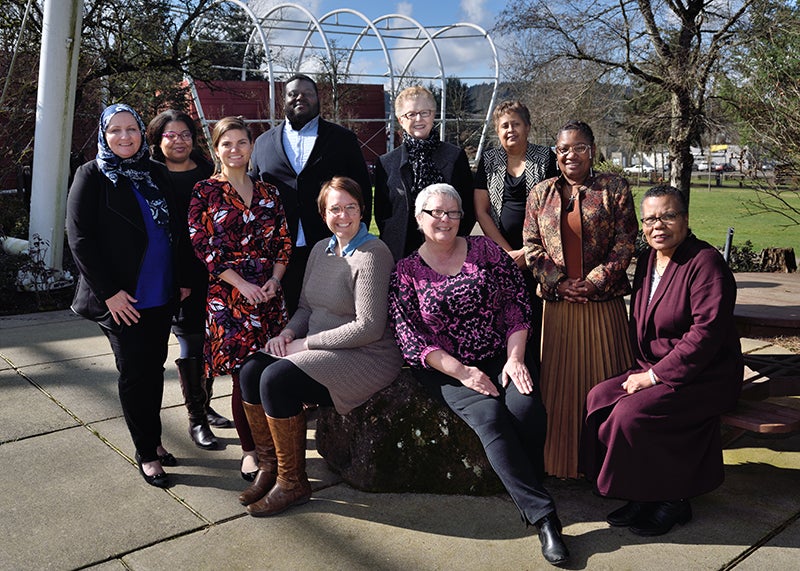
pixel 140 351
pixel 512 428
pixel 280 386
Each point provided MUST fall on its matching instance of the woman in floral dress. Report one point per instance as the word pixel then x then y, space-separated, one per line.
pixel 238 228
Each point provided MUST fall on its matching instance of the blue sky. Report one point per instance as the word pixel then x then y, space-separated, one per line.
pixel 470 59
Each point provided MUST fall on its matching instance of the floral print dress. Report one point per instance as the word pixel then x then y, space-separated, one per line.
pixel 226 234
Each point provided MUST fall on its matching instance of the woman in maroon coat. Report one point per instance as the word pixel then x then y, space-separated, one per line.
pixel 652 434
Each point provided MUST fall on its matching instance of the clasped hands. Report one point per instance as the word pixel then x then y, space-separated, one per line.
pixel 285 344
pixel 259 294
pixel 575 290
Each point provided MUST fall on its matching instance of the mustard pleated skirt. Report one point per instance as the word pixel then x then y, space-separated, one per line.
pixel 582 344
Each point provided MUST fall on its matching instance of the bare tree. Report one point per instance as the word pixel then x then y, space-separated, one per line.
pixel 673 46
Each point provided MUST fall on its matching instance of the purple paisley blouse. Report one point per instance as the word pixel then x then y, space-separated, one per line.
pixel 608 234
pixel 469 315
pixel 226 234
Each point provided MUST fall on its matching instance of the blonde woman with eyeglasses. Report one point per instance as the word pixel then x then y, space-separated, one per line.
pixel 422 159
pixel 578 235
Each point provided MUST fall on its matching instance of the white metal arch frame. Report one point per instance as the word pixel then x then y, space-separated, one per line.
pixel 423 39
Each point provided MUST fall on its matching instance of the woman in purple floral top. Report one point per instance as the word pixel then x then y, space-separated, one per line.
pixel 461 316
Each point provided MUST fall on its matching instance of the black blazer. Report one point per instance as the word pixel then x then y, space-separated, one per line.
pixel 108 239
pixel 336 152
pixel 394 205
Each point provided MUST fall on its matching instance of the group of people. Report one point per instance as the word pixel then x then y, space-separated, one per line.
pixel 265 270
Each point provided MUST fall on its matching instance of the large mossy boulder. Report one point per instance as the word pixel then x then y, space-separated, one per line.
pixel 403 440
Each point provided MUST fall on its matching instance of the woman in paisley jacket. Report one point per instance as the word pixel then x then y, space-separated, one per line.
pixel 579 238
pixel 505 176
pixel 238 228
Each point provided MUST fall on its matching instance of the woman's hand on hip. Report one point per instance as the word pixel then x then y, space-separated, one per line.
pixel 121 307
pixel 515 370
pixel 479 382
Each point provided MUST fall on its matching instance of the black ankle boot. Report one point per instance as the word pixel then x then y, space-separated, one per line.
pixel 663 518
pixel 212 416
pixel 553 548
pixel 630 513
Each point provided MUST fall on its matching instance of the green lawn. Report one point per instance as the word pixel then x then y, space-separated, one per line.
pixel 712 212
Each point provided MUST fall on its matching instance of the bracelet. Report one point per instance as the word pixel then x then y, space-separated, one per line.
pixel 274 279
pixel 652 376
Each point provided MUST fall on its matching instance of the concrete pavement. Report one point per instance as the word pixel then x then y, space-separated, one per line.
pixel 71 496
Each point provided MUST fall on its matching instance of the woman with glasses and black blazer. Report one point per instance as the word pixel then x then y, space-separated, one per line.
pixel 421 160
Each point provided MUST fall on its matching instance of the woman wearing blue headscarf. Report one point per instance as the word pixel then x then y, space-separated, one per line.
pixel 127 243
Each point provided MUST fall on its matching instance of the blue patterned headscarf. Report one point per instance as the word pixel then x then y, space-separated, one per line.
pixel 136 168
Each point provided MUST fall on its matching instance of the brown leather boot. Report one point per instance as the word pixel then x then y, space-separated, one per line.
pixel 265 450
pixel 292 487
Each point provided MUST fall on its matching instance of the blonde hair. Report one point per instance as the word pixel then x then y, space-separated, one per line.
pixel 412 93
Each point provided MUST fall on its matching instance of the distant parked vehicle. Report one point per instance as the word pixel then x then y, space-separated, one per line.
pixel 638 169
pixel 724 167
pixel 702 166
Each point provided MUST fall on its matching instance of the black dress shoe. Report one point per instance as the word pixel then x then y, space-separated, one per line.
pixel 167 459
pixel 216 419
pixel 160 480
pixel 663 517
pixel 248 476
pixel 553 548
pixel 630 513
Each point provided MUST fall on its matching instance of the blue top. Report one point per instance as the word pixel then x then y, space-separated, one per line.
pixel 154 286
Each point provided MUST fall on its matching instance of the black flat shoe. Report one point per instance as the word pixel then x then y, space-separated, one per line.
pixel 160 480
pixel 630 513
pixel 216 419
pixel 248 476
pixel 663 518
pixel 554 550
pixel 167 459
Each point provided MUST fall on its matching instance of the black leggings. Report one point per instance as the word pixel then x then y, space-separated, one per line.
pixel 280 386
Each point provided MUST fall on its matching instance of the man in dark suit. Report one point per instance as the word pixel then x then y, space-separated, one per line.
pixel 297 157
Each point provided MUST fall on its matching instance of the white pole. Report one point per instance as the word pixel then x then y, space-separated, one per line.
pixel 55 103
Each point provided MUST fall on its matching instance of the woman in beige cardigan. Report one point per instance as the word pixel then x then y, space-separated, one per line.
pixel 336 350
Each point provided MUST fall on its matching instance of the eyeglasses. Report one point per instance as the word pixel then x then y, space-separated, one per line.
pixel 173 136
pixel 411 115
pixel 579 149
pixel 350 210
pixel 667 218
pixel 451 214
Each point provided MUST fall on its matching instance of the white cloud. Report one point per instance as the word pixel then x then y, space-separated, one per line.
pixel 405 8
pixel 475 11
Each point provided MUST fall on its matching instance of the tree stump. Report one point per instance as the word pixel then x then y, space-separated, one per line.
pixel 778 260
pixel 404 440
